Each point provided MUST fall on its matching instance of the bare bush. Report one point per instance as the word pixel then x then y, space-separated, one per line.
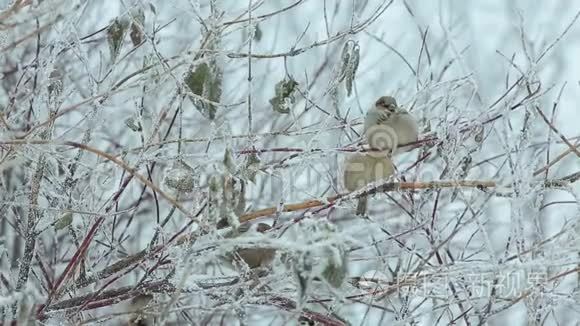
pixel 180 162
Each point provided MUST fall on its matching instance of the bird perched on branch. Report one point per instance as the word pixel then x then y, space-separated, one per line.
pixel 387 126
pixel 361 169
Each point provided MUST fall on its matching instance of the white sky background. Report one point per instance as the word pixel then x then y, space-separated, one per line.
pixel 486 27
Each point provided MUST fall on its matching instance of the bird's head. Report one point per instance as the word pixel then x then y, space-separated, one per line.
pixel 387 103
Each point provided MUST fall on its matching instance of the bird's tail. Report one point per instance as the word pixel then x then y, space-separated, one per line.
pixel 361 207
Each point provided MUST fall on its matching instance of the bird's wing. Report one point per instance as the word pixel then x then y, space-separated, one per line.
pixel 383 116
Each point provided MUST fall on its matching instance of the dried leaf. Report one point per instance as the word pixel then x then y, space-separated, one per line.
pixel 479 134
pixel 345 60
pixel 284 96
pixel 229 161
pixel 335 270
pixel 55 86
pixel 213 93
pixel 196 78
pixel 240 200
pixel 355 59
pixel 137 23
pixel 64 221
pixel 133 124
pixel 115 34
pixel 257 33
pixel 153 9
pixel 348 85
pixel 214 183
pixel 251 167
pixel 206 82
pixel 180 177
pixel 350 61
pixel 206 79
pixel 303 277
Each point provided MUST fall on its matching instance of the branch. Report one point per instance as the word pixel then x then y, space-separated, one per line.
pixel 554 129
pixel 384 187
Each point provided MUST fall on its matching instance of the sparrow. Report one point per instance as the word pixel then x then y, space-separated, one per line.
pixel 388 126
pixel 363 168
